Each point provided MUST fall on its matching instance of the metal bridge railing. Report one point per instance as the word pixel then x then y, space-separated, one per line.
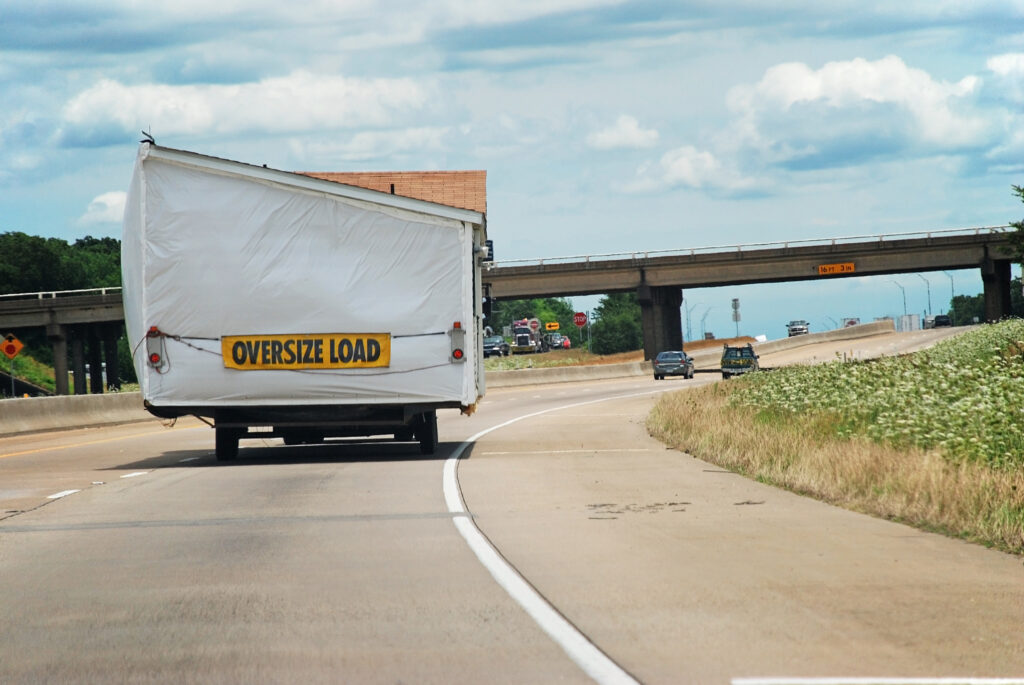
pixel 692 251
pixel 54 294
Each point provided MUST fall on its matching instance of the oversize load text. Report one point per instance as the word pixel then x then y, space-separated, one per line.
pixel 302 351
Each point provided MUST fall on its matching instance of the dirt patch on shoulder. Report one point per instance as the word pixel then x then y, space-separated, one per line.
pixel 695 345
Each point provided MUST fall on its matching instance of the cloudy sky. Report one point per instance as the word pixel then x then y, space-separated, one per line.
pixel 604 126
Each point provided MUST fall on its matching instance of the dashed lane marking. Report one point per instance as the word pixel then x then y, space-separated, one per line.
pixel 62 493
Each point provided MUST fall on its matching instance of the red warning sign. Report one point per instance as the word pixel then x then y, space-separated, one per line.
pixel 11 346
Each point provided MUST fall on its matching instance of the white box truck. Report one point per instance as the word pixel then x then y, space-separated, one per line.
pixel 276 304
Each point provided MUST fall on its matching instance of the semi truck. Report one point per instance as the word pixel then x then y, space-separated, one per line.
pixel 277 304
pixel 526 337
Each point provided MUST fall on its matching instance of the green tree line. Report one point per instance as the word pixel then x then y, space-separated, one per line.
pixel 31 264
pixel 615 326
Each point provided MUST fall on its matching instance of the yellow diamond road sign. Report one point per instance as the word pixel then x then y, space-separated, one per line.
pixel 11 346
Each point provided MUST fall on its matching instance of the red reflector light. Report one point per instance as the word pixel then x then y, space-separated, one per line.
pixel 457 324
pixel 154 359
pixel 457 353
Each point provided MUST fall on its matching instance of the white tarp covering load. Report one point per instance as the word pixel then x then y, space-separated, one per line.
pixel 269 263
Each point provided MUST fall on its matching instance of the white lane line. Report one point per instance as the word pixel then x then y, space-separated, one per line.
pixel 575 644
pixel 182 461
pixel 133 475
pixel 497 454
pixel 877 681
pixel 62 493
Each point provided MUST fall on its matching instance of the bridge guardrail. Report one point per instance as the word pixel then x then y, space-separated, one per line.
pixel 54 294
pixel 784 244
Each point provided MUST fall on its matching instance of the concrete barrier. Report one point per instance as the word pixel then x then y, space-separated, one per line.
pixel 711 357
pixel 564 374
pixel 36 414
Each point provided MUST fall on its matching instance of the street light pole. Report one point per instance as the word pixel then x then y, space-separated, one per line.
pixel 928 286
pixel 703 331
pixel 904 291
pixel 689 332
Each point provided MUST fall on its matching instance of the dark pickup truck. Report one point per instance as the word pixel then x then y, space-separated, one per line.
pixel 738 360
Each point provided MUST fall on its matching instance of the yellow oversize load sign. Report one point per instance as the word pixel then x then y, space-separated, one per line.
pixel 306 351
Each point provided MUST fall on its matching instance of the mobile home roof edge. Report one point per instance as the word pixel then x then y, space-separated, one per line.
pixel 297 180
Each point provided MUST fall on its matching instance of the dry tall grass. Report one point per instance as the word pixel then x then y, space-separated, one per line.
pixel 968 501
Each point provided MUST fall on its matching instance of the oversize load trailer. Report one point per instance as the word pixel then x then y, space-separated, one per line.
pixel 277 304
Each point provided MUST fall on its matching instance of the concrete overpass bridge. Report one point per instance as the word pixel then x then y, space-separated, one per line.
pixel 88 323
pixel 659 277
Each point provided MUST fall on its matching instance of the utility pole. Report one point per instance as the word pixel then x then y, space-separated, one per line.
pixel 703 330
pixel 952 298
pixel 736 314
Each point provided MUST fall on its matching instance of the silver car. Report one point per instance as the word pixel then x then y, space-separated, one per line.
pixel 672 363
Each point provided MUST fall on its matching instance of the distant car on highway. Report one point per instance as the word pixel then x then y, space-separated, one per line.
pixel 672 363
pixel 798 327
pixel 738 360
pixel 496 345
pixel 943 320
pixel 557 341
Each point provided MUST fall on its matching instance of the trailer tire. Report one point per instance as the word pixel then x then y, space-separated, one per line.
pixel 426 432
pixel 226 443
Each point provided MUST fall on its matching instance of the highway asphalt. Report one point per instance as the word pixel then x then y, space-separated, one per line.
pixel 563 545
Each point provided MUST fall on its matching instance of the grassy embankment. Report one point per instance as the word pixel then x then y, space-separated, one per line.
pixel 27 368
pixel 934 439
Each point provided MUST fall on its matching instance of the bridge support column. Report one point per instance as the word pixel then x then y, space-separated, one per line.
pixel 111 332
pixel 95 362
pixel 659 309
pixel 995 275
pixel 58 336
pixel 78 359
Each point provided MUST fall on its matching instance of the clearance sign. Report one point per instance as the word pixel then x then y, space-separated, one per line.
pixel 833 269
pixel 314 351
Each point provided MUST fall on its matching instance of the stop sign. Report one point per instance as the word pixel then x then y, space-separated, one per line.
pixel 580 319
pixel 534 324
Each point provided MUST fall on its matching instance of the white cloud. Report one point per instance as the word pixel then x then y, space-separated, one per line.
pixel 368 145
pixel 1011 64
pixel 689 167
pixel 488 12
pixel 855 110
pixel 1009 76
pixel 105 208
pixel 301 101
pixel 625 133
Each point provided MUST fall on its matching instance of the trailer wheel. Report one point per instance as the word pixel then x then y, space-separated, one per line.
pixel 226 443
pixel 426 432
